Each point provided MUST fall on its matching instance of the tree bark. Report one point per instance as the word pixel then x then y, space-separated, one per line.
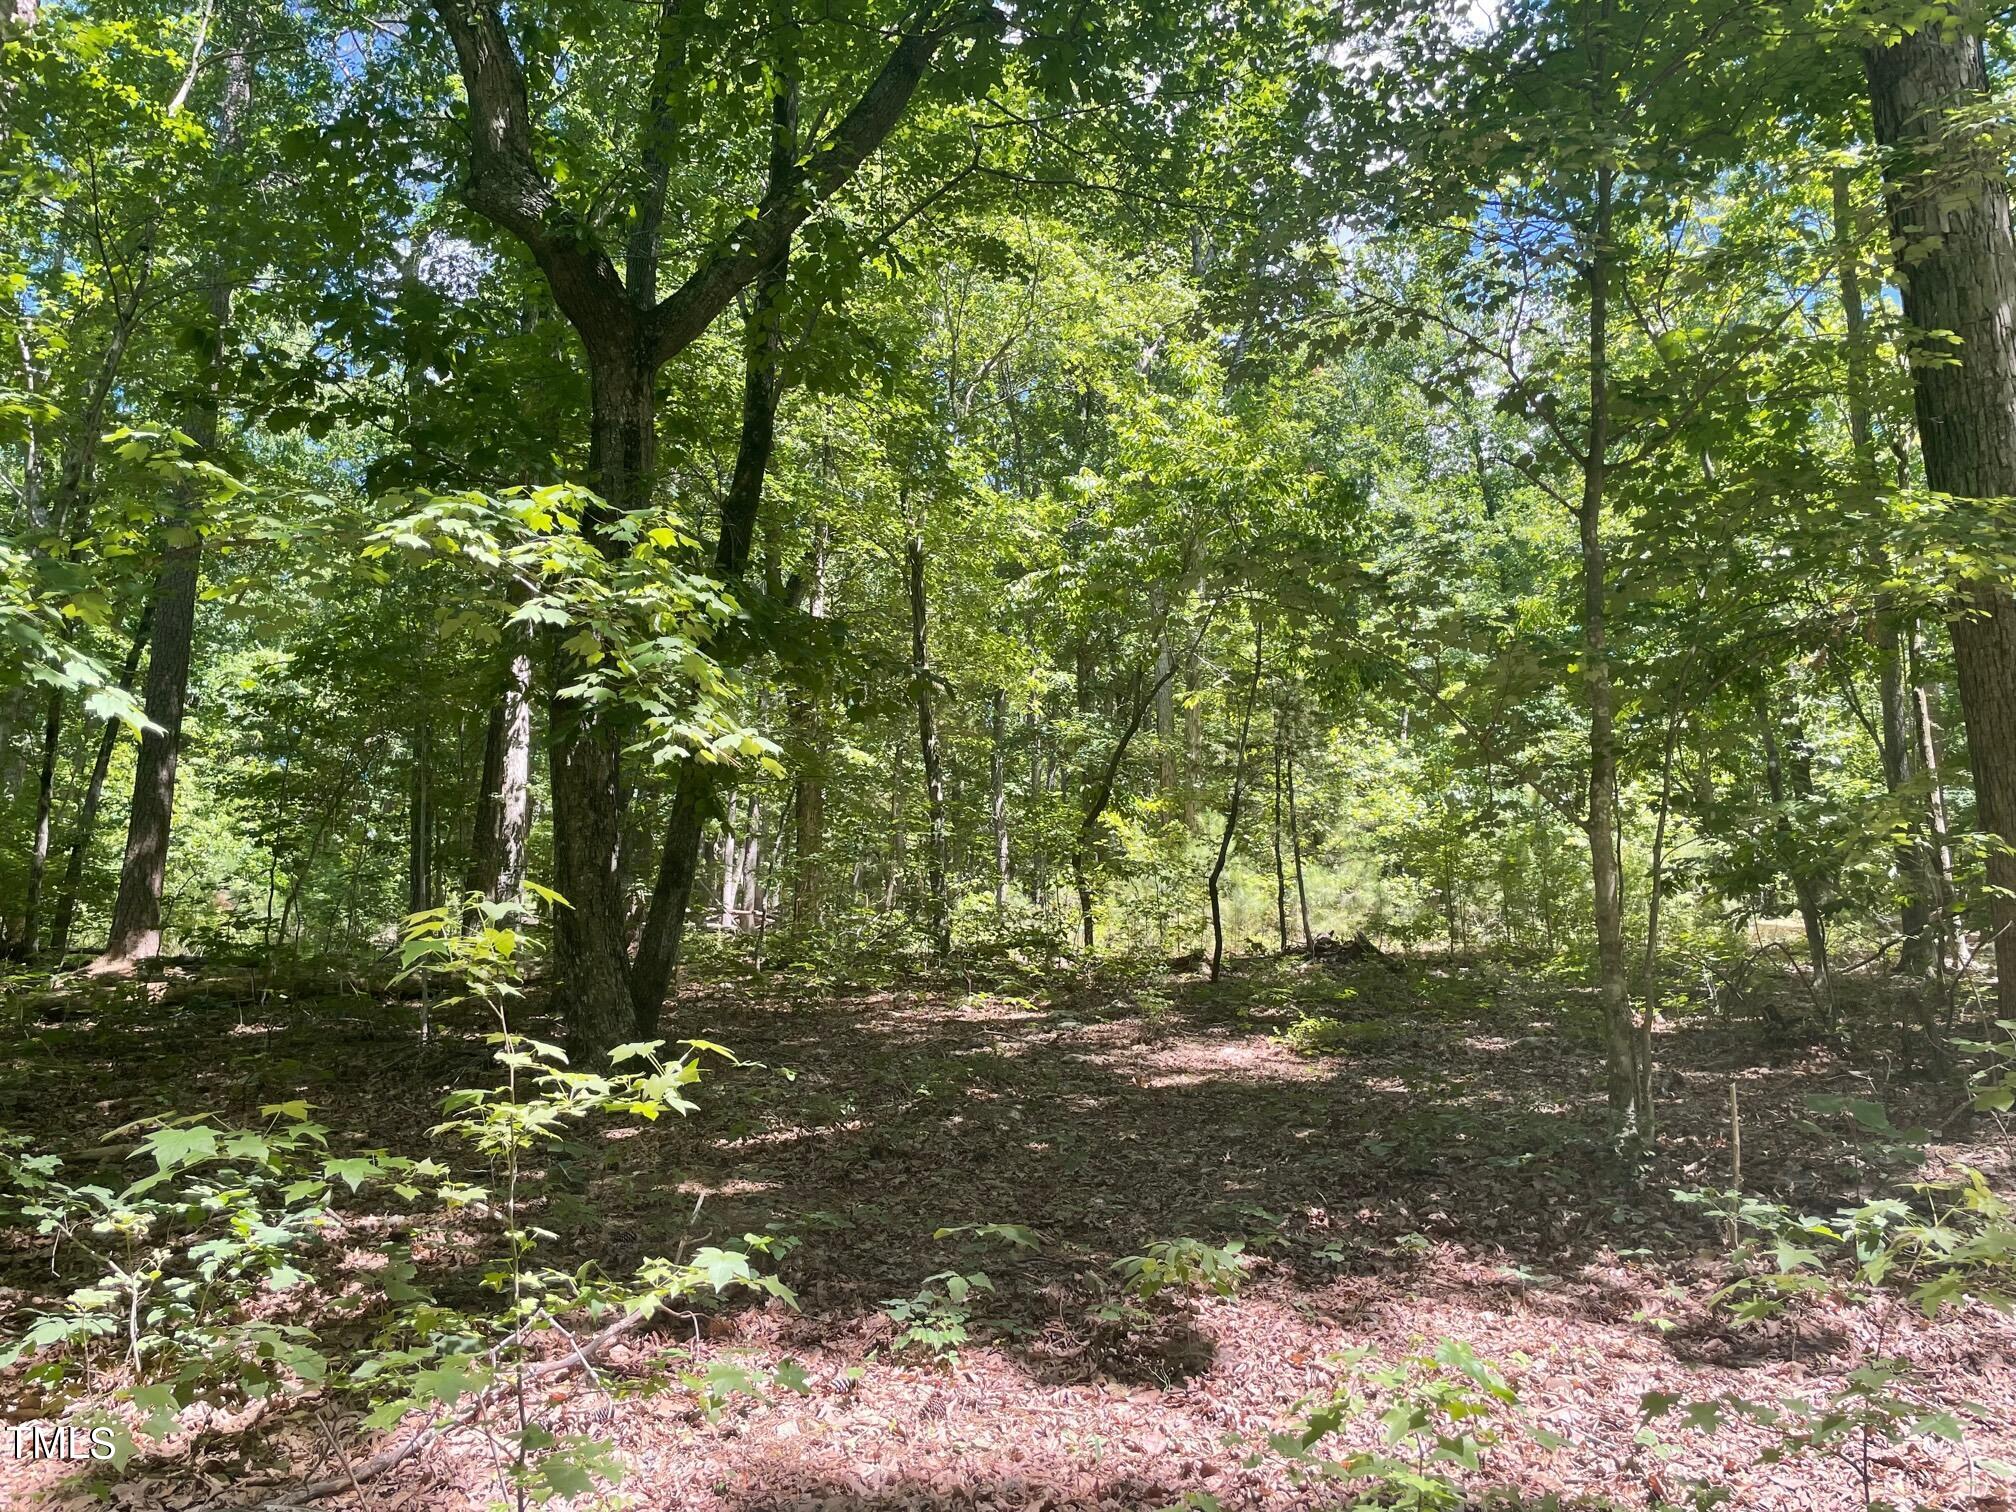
pixel 1948 204
pixel 420 821
pixel 1295 846
pixel 997 794
pixel 45 800
pixel 503 822
pixel 1280 867
pixel 1232 809
pixel 1805 888
pixel 927 745
pixel 87 811
pixel 136 912
pixel 1626 1075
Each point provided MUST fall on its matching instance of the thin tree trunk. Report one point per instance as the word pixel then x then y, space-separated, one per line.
pixel 87 811
pixel 503 822
pixel 1295 846
pixel 762 387
pixel 808 792
pixel 1625 1073
pixel 1938 847
pixel 1948 203
pixel 45 799
pixel 1232 809
pixel 1280 867
pixel 420 821
pixel 927 744
pixel 997 794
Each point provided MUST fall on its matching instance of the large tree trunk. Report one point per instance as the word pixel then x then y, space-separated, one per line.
pixel 87 811
pixel 136 912
pixel 927 745
pixel 1948 202
pixel 503 821
pixel 1627 1076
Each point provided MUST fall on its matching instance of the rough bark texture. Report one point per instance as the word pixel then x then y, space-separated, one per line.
pixel 1948 204
pixel 504 800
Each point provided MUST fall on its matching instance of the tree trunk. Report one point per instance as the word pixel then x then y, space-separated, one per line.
pixel 927 744
pixel 503 822
pixel 1805 887
pixel 1280 867
pixel 87 811
pixel 45 801
pixel 762 386
pixel 1295 846
pixel 997 794
pixel 1948 203
pixel 420 821
pixel 136 913
pixel 1938 848
pixel 808 792
pixel 1628 1113
pixel 1232 811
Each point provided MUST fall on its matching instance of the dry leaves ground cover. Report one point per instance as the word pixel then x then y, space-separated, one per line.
pixel 1439 1173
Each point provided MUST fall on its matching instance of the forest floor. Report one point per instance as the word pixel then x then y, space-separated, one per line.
pixel 1443 1175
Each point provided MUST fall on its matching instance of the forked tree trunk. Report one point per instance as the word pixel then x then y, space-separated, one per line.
pixel 1948 203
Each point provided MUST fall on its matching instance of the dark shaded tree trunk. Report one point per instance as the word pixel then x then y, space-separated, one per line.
pixel 87 811
pixel 1628 1070
pixel 927 745
pixel 1295 847
pixel 420 821
pixel 1805 887
pixel 1232 811
pixel 997 793
pixel 1280 867
pixel 1948 204
pixel 136 913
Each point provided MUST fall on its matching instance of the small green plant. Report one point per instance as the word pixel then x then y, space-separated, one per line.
pixel 935 1320
pixel 1438 1414
pixel 1994 1079
pixel 1858 1425
pixel 1186 1265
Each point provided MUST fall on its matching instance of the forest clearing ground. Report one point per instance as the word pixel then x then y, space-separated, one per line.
pixel 1444 1173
